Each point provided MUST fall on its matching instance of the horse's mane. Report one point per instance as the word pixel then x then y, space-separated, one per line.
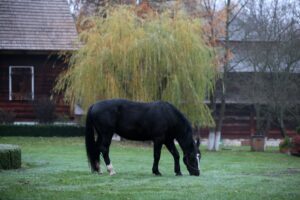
pixel 176 116
pixel 182 124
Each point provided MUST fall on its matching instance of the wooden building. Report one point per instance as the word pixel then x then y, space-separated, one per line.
pixel 32 36
pixel 240 118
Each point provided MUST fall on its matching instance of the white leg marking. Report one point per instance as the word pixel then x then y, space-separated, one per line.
pixel 99 167
pixel 110 169
pixel 100 171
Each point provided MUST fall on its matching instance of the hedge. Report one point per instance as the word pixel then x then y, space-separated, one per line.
pixel 10 156
pixel 41 130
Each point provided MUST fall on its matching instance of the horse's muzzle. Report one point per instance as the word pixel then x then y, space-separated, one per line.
pixel 195 173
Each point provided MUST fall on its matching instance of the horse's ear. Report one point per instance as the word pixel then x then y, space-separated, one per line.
pixel 198 142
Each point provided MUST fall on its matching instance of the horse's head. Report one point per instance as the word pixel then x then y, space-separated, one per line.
pixel 192 159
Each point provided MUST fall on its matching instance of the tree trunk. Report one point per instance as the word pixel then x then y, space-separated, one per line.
pixel 217 141
pixel 268 125
pixel 282 127
pixel 211 139
pixel 220 118
pixel 223 79
pixel 212 130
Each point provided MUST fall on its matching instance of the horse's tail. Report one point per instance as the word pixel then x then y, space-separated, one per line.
pixel 90 144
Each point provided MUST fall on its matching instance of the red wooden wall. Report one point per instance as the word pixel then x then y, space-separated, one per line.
pixel 46 68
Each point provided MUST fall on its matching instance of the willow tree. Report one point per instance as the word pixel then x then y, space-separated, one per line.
pixel 154 57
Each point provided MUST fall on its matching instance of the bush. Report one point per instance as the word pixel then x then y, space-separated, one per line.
pixel 10 156
pixel 7 117
pixel 285 145
pixel 42 130
pixel 298 129
pixel 45 110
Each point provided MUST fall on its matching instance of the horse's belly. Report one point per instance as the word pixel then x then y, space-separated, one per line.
pixel 134 135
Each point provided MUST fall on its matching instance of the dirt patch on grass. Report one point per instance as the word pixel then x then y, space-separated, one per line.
pixel 288 171
pixel 291 171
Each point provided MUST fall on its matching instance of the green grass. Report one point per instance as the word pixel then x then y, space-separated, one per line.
pixel 56 168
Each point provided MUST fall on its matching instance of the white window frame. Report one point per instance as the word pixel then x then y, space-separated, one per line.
pixel 10 80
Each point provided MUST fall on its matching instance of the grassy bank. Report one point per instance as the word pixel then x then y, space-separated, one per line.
pixel 56 168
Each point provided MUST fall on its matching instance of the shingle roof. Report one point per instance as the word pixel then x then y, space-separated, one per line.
pixel 36 25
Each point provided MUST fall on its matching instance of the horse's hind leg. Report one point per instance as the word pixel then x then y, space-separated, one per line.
pixel 98 143
pixel 106 141
pixel 173 150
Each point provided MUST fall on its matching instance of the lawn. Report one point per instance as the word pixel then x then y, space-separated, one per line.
pixel 56 168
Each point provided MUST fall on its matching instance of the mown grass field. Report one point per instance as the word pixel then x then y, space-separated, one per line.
pixel 56 168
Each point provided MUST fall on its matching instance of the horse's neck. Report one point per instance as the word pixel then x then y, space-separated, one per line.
pixel 185 143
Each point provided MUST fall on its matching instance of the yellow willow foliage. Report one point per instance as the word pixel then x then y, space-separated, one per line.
pixel 157 58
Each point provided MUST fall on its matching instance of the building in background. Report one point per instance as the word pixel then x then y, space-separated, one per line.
pixel 32 36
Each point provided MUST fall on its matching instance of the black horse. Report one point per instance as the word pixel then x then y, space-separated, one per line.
pixel 158 121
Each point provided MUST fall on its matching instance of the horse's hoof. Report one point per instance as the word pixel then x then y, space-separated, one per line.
pixel 157 173
pixel 179 174
pixel 100 171
pixel 95 172
pixel 112 173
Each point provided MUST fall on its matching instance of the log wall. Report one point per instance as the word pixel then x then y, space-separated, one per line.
pixel 47 66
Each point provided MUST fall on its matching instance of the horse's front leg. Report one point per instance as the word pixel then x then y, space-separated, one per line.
pixel 173 150
pixel 105 153
pixel 157 151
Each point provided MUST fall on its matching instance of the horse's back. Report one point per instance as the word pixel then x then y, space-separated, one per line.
pixel 141 121
pixel 114 111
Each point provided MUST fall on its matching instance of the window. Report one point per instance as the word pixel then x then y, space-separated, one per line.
pixel 21 83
